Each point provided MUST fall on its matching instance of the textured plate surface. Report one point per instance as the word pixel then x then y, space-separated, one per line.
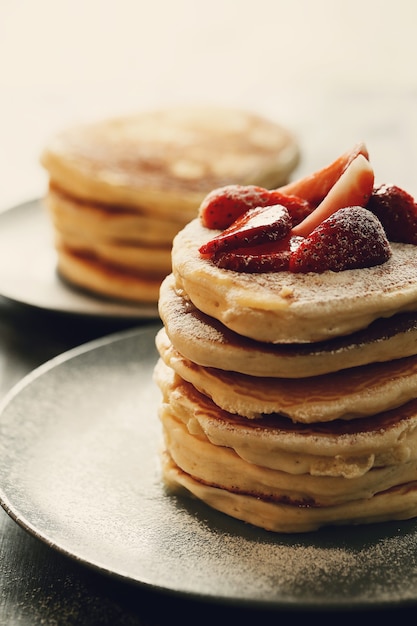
pixel 79 469
pixel 28 269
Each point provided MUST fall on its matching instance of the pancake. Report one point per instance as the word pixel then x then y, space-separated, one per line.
pixel 338 448
pixel 347 394
pixel 222 468
pixel 287 307
pixel 100 222
pixel 169 159
pixel 205 341
pixel 122 255
pixel 134 181
pixel 285 477
pixel 398 503
pixel 86 272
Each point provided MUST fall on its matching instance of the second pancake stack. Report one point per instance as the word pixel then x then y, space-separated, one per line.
pixel 121 188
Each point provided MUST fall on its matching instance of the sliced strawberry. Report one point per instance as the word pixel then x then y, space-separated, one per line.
pixel 353 188
pixel 316 186
pixel 350 238
pixel 222 206
pixel 258 225
pixel 268 257
pixel 298 208
pixel 397 211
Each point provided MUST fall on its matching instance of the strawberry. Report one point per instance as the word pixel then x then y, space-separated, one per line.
pixel 257 225
pixel 350 238
pixel 354 187
pixel 267 257
pixel 397 211
pixel 222 206
pixel 314 187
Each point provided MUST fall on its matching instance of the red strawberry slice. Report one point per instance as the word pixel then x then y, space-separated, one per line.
pixel 353 188
pixel 314 187
pixel 350 238
pixel 222 206
pixel 268 257
pixel 397 211
pixel 258 225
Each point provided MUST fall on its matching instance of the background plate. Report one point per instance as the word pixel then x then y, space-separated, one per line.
pixel 28 269
pixel 79 469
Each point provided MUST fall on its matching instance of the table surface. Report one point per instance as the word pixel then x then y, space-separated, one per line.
pixel 334 73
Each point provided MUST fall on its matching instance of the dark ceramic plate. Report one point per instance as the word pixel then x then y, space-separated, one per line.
pixel 79 469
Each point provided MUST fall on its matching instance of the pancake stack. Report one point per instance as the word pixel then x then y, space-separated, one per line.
pixel 120 189
pixel 289 401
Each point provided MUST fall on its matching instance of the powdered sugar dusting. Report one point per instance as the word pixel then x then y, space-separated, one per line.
pixel 351 567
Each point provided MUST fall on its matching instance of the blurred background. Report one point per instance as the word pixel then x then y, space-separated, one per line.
pixel 334 72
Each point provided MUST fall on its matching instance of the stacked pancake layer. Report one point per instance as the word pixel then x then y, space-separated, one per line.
pixel 282 406
pixel 120 189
